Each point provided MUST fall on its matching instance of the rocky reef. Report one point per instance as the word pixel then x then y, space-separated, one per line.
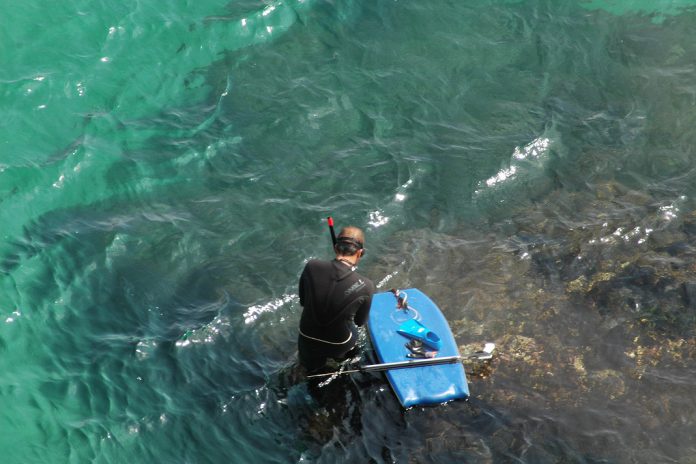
pixel 590 298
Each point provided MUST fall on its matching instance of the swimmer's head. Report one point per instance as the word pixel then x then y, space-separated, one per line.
pixel 350 241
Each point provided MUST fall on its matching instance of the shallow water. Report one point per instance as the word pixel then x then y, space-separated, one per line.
pixel 166 170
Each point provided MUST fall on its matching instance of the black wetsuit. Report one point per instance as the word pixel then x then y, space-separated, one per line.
pixel 336 300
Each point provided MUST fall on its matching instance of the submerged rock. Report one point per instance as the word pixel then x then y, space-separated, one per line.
pixel 588 298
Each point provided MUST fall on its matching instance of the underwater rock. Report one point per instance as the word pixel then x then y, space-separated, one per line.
pixel 689 291
pixel 689 225
pixel 589 297
pixel 609 382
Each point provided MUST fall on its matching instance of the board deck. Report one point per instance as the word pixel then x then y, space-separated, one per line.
pixel 418 385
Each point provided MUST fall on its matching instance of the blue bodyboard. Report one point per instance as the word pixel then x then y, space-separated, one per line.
pixel 413 386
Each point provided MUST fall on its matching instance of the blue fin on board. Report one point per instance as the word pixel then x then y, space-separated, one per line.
pixel 414 329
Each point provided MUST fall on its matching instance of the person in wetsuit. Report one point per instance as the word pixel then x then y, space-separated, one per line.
pixel 335 300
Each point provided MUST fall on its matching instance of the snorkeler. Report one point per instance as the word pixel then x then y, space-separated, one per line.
pixel 335 300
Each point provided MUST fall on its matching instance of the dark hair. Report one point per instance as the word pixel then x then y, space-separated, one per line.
pixel 348 246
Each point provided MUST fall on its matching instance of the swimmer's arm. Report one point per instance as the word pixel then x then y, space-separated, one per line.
pixel 361 314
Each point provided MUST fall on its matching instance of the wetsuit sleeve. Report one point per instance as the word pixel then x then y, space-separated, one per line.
pixel 364 310
pixel 302 286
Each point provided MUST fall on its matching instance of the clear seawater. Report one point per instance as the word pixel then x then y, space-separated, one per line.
pixel 166 169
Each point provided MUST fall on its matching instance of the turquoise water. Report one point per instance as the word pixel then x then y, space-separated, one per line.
pixel 166 170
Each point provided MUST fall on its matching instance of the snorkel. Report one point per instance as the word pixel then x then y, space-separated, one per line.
pixel 331 229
